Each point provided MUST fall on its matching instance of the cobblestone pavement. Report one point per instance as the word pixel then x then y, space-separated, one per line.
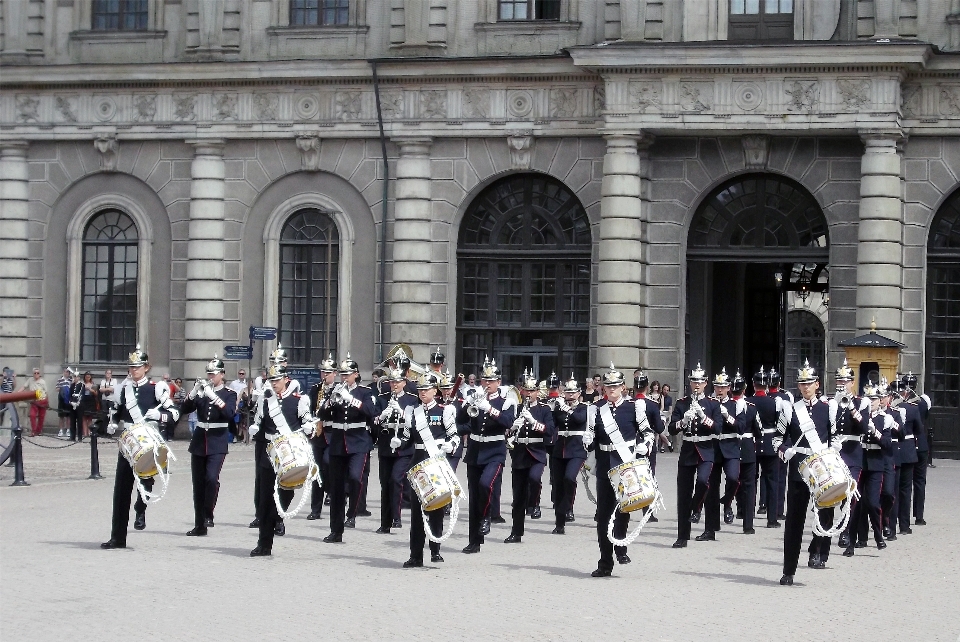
pixel 58 584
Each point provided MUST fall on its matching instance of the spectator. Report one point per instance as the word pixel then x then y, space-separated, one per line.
pixel 63 401
pixel 590 393
pixel 173 386
pixel 241 386
pixel 8 382
pixel 38 407
pixel 667 407
pixel 89 403
pixel 180 395
pixel 109 392
pixel 192 422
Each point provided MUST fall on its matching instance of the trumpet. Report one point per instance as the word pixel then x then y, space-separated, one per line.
pixel 844 400
pixel 470 403
pixel 337 394
pixel 512 439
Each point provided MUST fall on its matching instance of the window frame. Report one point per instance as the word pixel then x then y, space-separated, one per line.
pixel 531 7
pixel 320 10
pixel 761 22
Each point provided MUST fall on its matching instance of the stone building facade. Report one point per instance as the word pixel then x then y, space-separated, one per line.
pixel 576 187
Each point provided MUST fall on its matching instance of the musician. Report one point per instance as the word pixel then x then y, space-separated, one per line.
pixel 426 420
pixel 449 397
pixel 285 410
pixel 769 461
pixel 773 390
pixel 530 433
pixel 876 439
pixel 621 432
pixel 750 436
pixel 891 475
pixel 916 407
pixel 698 418
pixel 487 451
pixel 640 384
pixel 793 440
pixel 548 392
pixel 726 457
pixel 141 399
pixel 318 394
pixel 215 405
pixel 569 453
pixel 394 461
pixel 849 416
pixel 436 364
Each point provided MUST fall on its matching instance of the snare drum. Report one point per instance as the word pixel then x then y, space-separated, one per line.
pixel 828 477
pixel 633 484
pixel 292 460
pixel 434 482
pixel 138 442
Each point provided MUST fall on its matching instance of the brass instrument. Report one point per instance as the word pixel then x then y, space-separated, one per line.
pixel 396 419
pixel 470 403
pixel 512 439
pixel 398 352
pixel 337 394
pixel 843 398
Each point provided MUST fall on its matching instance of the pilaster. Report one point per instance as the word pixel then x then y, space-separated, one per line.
pixel 14 255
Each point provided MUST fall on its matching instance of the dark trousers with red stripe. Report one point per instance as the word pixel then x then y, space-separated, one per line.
pixel 205 471
pixel 565 475
pixel 346 472
pixel 393 472
pixel 869 506
pixel 606 507
pixel 731 469
pixel 690 495
pixel 418 536
pixel 480 483
pixel 526 492
pixel 798 503
pixel 855 505
pixel 123 485
pixel 747 492
pixel 267 509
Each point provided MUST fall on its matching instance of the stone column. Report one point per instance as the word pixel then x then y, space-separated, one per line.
pixel 203 331
pixel 880 232
pixel 620 302
pixel 14 256
pixel 410 288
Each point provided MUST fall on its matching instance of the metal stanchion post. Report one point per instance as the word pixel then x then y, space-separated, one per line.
pixel 94 457
pixel 18 479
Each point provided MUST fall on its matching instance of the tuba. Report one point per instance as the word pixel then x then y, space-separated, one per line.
pixel 399 352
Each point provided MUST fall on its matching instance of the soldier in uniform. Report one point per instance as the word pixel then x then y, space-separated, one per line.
pixel 876 439
pixel 726 458
pixel 348 413
pixel 767 456
pixel 569 452
pixel 750 436
pixel 141 400
pixel 924 441
pixel 620 431
pixel 891 474
pixel 848 424
pixel 215 405
pixel 449 397
pixel 394 461
pixel 698 418
pixel 437 422
pixel 914 438
pixel 795 439
pixel 284 411
pixel 319 392
pixel 773 390
pixel 908 418
pixel 531 433
pixel 487 452
pixel 640 384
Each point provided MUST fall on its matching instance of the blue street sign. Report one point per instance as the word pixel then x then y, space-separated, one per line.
pixel 238 352
pixel 306 376
pixel 262 332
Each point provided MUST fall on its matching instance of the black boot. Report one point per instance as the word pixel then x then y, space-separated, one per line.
pixel 140 522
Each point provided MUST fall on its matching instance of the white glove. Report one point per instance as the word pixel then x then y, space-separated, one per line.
pixel 587 439
pixel 386 414
pixel 395 442
pixel 153 414
pixel 787 454
pixel 517 424
pixel 253 430
pixel 447 447
pixel 197 388
pixel 562 405
pixel 308 429
pixel 111 428
pixel 75 404
pixel 640 450
pixel 689 416
pixel 725 412
pixel 526 414
pixel 483 404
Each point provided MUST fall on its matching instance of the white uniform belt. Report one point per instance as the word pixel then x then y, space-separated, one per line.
pixel 747 435
pixel 843 438
pixel 529 440
pixel 910 437
pixel 728 435
pixel 213 424
pixel 609 448
pixel 438 443
pixel 871 446
pixel 804 451
pixel 342 426
pixel 482 438
pixel 572 433
pixel 769 431
pixel 894 441
pixel 699 437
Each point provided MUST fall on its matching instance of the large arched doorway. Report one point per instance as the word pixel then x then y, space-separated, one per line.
pixel 523 260
pixel 753 240
pixel 942 377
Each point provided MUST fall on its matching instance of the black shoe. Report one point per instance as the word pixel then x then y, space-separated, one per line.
pixel 570 516
pixel 680 543
pixel 535 514
pixel 350 522
pixel 706 536
pixel 333 538
pixel 886 533
pixel 727 515
pixel 623 559
pixel 814 562
pixel 860 545
pixel 695 517
pixel 396 524
pixel 653 519
pixel 661 449
pixel 931 465
pixel 261 552
pixel 140 522
pixel 512 539
pixel 413 563
pixel 906 531
pixel 559 530
pixel 781 516
pixel 208 523
pixel 670 447
pixel 326 500
pixel 280 529
pixel 762 510
pixel 739 513
pixel 844 541
pixel 436 558
pixel 774 525
pixel 255 523
pixel 112 543
pixel 471 548
pixel 197 531
pixel 498 520
pixel 485 526
pixel 313 516
pixel 529 511
pixel 602 572
pixel 364 513
pixel 749 531
pixel 881 545
pixel 786 580
pixel 383 530
pixel 920 522
pixel 848 551
pixel 893 537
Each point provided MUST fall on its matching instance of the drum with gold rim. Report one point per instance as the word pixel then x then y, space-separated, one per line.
pixel 138 443
pixel 633 484
pixel 292 460
pixel 434 482
pixel 828 477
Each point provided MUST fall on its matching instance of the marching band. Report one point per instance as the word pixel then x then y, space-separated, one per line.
pixel 855 463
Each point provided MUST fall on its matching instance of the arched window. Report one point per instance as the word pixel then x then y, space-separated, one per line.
pixel 524 278
pixel 108 326
pixel 309 260
pixel 805 342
